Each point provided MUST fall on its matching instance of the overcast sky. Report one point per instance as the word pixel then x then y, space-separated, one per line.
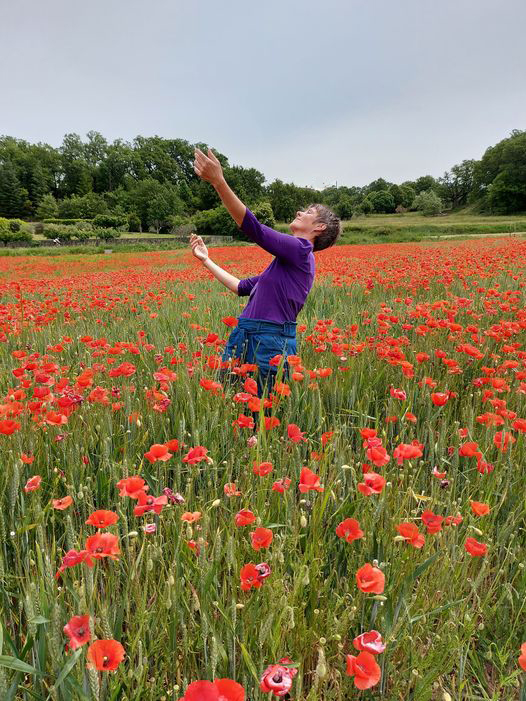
pixel 310 91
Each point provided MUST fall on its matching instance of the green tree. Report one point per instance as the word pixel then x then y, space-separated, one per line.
pixel 426 182
pixel 499 180
pixel 344 208
pixel 382 201
pixel 47 209
pixel 13 197
pixel 428 202
pixel 407 195
pixel 456 184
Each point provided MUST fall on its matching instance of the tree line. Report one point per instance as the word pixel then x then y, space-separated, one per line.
pixel 150 184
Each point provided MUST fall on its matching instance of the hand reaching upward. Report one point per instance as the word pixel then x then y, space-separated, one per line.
pixel 208 167
pixel 199 249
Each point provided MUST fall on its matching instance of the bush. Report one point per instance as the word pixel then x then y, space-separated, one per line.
pixel 65 221
pixel 134 222
pixel 106 234
pixel 12 230
pixel 264 214
pixel 15 224
pixel 82 231
pixel 215 222
pixel 428 202
pixel 110 221
pixel 58 231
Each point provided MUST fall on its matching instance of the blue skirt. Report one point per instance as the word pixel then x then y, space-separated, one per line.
pixel 257 341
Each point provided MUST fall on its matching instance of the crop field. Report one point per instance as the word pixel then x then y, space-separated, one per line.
pixel 359 535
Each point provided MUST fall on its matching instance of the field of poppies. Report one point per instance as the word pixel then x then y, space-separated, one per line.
pixel 361 534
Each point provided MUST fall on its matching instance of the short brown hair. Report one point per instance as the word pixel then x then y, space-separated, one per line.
pixel 331 233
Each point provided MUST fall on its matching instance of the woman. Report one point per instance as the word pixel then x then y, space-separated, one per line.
pixel 267 326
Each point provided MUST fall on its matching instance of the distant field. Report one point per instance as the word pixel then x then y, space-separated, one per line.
pixel 413 226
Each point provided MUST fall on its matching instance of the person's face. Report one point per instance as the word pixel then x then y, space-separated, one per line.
pixel 305 225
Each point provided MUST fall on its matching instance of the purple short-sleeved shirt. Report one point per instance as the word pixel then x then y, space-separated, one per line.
pixel 279 293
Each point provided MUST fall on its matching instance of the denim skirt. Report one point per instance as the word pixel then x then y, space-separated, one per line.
pixel 257 341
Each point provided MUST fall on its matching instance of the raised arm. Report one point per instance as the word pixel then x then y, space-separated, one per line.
pixel 293 250
pixel 209 168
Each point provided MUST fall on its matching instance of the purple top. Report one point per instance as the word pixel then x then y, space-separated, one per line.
pixel 279 293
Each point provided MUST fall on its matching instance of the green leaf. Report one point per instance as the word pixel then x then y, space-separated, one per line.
pixel 17 665
pixel 66 669
pixel 423 567
pixel 40 620
pixel 249 662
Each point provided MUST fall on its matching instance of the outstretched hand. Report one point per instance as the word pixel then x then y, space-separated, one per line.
pixel 199 249
pixel 208 167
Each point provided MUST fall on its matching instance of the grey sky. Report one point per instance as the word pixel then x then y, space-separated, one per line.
pixel 312 92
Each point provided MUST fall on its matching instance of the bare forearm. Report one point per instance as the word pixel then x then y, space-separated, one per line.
pixel 223 276
pixel 231 201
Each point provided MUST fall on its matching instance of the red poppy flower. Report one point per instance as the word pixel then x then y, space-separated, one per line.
pixel 218 690
pixel 261 538
pixel 406 451
pixel 522 657
pixel 475 548
pixel 191 516
pixel 27 459
pixel 370 580
pixel 281 485
pixel 102 545
pixel 277 678
pixel 378 455
pixel 105 655
pixel 349 530
pixel 243 421
pixel 432 522
pixel 369 642
pixel 132 487
pixel 440 398
pixel 250 577
pixel 33 483
pixel 78 631
pixel 250 386
pixel 469 450
pixel 8 426
pixel 262 469
pixel 231 490
pixel 295 434
pixel 309 481
pixel 372 484
pixel 72 558
pixel 102 519
pixel 196 455
pixel 61 504
pixel 172 445
pixel 244 517
pixel 229 321
pixel 397 393
pixel 366 434
pixel 519 425
pixel 503 439
pixel 364 669
pixel 410 533
pixel 147 503
pixel 158 451
pixel 271 422
pixel 479 508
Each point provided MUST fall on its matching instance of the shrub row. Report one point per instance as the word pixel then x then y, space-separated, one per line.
pixel 14 230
